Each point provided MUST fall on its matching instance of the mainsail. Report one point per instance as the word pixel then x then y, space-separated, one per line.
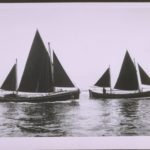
pixel 37 76
pixel 104 81
pixel 145 79
pixel 127 79
pixel 10 82
pixel 61 78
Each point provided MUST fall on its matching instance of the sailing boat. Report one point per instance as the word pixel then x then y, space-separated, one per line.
pixel 40 77
pixel 127 85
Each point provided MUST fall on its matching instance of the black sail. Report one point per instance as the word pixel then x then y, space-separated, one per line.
pixel 10 82
pixel 37 76
pixel 145 79
pixel 61 78
pixel 127 79
pixel 104 81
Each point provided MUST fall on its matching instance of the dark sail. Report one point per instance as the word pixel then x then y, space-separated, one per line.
pixel 104 81
pixel 61 78
pixel 145 79
pixel 127 79
pixel 37 76
pixel 10 82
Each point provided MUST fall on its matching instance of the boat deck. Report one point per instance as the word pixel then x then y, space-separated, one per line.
pixel 51 97
pixel 94 94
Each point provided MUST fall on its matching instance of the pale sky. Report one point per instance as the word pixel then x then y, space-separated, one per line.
pixel 86 37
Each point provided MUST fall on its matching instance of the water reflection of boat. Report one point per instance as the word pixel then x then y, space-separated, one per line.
pixel 127 85
pixel 129 109
pixel 42 80
pixel 46 119
pixel 129 122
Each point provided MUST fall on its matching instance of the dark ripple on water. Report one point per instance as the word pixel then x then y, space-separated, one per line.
pixel 84 117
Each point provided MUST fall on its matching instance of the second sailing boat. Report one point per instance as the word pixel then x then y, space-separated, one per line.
pixel 127 85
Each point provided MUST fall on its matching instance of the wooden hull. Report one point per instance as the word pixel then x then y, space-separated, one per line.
pixel 113 95
pixel 59 96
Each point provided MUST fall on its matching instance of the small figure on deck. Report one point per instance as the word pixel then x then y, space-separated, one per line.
pixel 104 90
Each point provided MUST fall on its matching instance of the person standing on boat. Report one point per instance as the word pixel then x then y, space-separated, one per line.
pixel 104 90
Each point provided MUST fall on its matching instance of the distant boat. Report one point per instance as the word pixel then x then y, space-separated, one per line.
pixel 40 78
pixel 127 85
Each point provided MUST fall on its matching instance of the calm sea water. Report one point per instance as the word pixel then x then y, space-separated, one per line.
pixel 82 118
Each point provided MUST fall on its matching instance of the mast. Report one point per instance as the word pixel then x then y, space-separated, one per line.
pixel 16 78
pixel 51 63
pixel 137 76
pixel 110 79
